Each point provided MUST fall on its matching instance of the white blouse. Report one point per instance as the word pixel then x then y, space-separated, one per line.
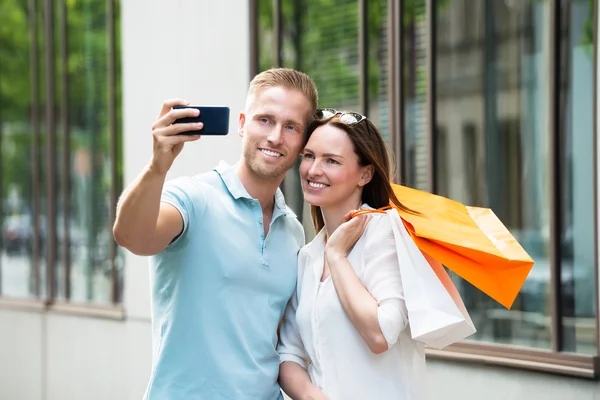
pixel 317 334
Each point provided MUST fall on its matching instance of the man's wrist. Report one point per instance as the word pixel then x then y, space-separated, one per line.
pixel 153 171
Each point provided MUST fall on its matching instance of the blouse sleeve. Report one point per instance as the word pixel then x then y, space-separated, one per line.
pixel 290 345
pixel 383 280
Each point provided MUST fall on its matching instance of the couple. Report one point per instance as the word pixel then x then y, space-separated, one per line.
pixel 228 258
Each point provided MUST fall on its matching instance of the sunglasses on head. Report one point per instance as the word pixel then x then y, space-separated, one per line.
pixel 347 117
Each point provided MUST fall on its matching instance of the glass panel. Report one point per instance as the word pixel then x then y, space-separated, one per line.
pixel 42 157
pixel 577 135
pixel 415 95
pixel 292 17
pixel 378 66
pixel 492 102
pixel 330 52
pixel 90 158
pixel 59 183
pixel 16 137
pixel 266 38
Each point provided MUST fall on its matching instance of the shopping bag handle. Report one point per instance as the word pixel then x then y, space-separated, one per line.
pixel 380 210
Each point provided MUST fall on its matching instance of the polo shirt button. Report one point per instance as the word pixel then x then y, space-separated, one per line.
pixel 265 263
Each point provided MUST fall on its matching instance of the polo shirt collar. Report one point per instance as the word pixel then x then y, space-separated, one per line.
pixel 231 180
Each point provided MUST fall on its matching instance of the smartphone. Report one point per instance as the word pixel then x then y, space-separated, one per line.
pixel 214 118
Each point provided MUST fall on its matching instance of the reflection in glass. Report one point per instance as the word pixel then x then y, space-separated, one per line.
pixel 492 102
pixel 328 53
pixel 577 161
pixel 291 55
pixel 266 38
pixel 89 227
pixel 17 276
pixel 378 66
pixel 414 32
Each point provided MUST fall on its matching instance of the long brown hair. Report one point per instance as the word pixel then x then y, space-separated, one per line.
pixel 370 148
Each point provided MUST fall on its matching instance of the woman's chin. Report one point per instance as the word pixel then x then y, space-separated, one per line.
pixel 312 200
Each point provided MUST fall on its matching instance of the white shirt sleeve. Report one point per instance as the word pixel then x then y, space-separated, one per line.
pixel 290 345
pixel 383 280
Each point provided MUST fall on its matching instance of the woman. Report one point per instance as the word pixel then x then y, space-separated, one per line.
pixel 344 334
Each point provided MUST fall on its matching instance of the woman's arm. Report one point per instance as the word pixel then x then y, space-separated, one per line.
pixel 296 383
pixel 356 301
pixel 293 359
pixel 376 306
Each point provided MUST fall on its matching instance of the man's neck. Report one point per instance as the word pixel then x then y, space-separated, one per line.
pixel 259 188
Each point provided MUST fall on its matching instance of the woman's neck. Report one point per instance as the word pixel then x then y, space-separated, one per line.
pixel 333 216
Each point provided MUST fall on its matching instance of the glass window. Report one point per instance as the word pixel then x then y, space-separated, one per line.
pixel 492 100
pixel 18 275
pixel 493 133
pixel 89 227
pixel 79 219
pixel 378 67
pixel 416 140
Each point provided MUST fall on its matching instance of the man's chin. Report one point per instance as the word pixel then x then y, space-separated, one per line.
pixel 269 172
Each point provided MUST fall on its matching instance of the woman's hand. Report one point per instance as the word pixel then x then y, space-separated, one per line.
pixel 346 235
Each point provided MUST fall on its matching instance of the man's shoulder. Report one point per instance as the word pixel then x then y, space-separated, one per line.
pixel 199 183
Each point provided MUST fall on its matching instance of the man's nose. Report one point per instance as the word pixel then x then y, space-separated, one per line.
pixel 276 135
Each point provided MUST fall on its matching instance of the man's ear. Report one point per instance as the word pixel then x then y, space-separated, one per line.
pixel 366 175
pixel 241 123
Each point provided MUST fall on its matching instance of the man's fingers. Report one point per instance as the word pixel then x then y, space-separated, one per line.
pixel 174 115
pixel 176 129
pixel 175 140
pixel 168 104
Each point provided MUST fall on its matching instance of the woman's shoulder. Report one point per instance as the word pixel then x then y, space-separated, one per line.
pixel 379 230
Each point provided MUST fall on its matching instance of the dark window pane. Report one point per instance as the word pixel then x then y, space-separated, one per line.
pixel 89 227
pixel 17 275
pixel 416 139
pixel 577 136
pixel 492 100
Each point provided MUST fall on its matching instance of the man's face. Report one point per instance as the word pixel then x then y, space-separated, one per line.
pixel 272 128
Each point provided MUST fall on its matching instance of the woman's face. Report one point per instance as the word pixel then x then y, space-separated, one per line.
pixel 330 172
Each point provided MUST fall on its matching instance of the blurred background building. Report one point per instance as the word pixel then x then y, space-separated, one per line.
pixel 489 102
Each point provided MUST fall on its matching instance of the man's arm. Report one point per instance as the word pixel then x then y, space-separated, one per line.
pixel 143 224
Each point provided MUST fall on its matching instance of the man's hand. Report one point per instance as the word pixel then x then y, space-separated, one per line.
pixel 167 143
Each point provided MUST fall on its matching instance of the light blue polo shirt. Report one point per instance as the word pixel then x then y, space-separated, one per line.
pixel 219 291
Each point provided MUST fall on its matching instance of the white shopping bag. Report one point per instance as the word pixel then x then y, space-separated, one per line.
pixel 437 315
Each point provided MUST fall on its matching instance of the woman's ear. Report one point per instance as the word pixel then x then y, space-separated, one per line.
pixel 366 175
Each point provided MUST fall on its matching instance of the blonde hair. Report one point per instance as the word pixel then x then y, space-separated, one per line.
pixel 286 78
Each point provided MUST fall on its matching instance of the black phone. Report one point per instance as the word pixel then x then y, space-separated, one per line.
pixel 214 118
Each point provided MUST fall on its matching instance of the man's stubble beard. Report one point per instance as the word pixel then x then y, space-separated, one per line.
pixel 262 170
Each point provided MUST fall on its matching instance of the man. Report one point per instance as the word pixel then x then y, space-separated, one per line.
pixel 223 247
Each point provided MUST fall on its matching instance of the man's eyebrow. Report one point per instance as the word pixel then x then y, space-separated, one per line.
pixel 272 116
pixel 262 115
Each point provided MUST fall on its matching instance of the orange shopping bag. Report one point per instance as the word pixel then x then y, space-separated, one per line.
pixel 471 241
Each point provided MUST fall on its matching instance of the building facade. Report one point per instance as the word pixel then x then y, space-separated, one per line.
pixel 491 103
